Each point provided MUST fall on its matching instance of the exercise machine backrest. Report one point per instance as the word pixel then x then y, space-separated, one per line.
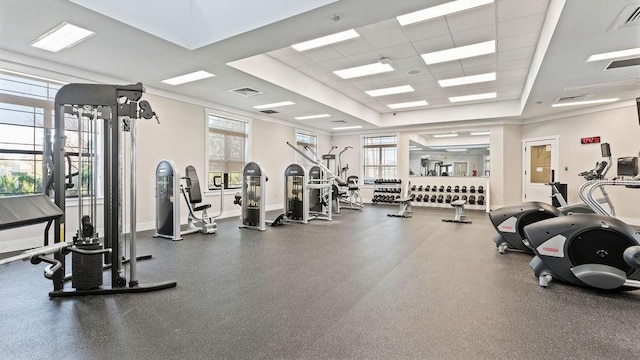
pixel 193 188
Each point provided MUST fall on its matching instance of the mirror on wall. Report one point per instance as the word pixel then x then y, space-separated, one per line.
pixel 460 155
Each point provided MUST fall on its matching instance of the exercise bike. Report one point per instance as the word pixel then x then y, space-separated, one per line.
pixel 594 250
pixel 509 221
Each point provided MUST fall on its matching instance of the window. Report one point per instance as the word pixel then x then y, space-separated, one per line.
pixel 226 150
pixel 380 158
pixel 306 141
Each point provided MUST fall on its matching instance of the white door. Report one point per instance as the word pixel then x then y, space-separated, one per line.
pixel 540 160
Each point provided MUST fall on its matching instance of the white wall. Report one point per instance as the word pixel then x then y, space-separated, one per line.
pixel 617 126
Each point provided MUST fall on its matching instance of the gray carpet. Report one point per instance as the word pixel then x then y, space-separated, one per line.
pixel 365 286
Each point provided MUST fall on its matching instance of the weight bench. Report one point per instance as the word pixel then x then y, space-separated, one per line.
pixel 19 211
pixel 459 216
pixel 404 210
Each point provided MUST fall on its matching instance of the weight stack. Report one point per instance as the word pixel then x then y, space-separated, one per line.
pixel 87 269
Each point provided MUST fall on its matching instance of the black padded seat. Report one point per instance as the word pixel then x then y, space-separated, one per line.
pixel 24 210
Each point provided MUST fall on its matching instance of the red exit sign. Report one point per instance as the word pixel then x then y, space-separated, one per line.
pixel 590 140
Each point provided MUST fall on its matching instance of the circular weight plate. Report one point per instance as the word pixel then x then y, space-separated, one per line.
pixel 600 246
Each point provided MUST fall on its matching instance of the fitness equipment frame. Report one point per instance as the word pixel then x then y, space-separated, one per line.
pixel 205 223
pixel 296 202
pixel 114 110
pixel 167 201
pixel 253 197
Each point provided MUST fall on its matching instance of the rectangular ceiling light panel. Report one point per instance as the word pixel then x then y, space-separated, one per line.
pixel 390 91
pixel 365 70
pixel 614 55
pixel 278 104
pixel 444 135
pixel 478 133
pixel 484 96
pixel 326 40
pixel 347 128
pixel 440 10
pixel 473 79
pixel 462 52
pixel 588 102
pixel 408 104
pixel 61 37
pixel 309 117
pixel 186 78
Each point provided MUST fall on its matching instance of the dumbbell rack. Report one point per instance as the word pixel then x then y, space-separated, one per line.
pixel 436 191
pixel 385 191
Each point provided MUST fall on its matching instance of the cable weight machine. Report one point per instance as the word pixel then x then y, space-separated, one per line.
pixel 109 111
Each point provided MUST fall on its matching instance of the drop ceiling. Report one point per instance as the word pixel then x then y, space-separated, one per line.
pixel 542 46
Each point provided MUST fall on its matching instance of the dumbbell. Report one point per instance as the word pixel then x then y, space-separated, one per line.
pixel 455 198
pixel 413 197
pixel 456 188
pixel 464 189
pixel 441 189
pixel 472 189
pixel 419 198
pixel 480 200
pixel 420 188
pixel 472 199
pixel 448 199
pixel 440 198
pixel 426 188
pixel 413 188
pixel 433 198
pixel 463 197
pixel 480 189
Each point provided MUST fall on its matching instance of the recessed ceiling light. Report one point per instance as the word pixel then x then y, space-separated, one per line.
pixel 407 104
pixel 614 54
pixel 587 102
pixel 462 52
pixel 415 149
pixel 346 127
pixel 390 91
pixel 484 96
pixel 457 150
pixel 479 133
pixel 183 79
pixel 326 40
pixel 444 135
pixel 473 79
pixel 440 10
pixel 309 117
pixel 371 69
pixel 61 37
pixel 278 104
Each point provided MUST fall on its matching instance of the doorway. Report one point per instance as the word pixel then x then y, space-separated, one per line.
pixel 540 160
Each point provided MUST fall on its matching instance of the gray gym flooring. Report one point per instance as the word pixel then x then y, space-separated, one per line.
pixel 365 286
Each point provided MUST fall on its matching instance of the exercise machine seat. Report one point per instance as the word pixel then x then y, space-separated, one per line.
pixel 24 210
pixel 193 189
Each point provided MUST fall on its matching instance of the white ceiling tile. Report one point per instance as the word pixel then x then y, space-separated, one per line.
pixel 510 95
pixel 519 26
pixel 410 63
pixel 449 66
pixel 326 78
pixel 287 51
pixel 515 64
pixel 422 78
pixel 518 73
pixel 517 42
pixel 474 36
pixel 313 69
pixel 516 54
pixel 426 29
pixel 322 54
pixel 383 34
pixel 352 47
pixel 482 60
pixel 295 60
pixel 476 70
pixel 471 19
pixel 434 44
pixel 511 80
pixel 510 87
pixel 336 64
pixel 513 9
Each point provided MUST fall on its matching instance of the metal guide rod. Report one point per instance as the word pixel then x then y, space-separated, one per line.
pixel 132 194
pixel 319 163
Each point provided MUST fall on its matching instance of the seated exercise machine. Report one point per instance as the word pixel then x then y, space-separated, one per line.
pixel 168 203
pixel 509 221
pixel 594 250
pixel 204 223
pixel 108 111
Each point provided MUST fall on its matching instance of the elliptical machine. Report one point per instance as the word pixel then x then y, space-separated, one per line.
pixel 589 249
pixel 509 221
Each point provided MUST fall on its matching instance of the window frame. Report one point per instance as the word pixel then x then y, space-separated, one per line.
pixel 300 160
pixel 380 166
pixel 228 116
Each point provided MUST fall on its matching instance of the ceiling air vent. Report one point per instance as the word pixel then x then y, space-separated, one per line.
pixel 630 16
pixel 339 121
pixel 268 111
pixel 246 91
pixel 569 99
pixel 624 63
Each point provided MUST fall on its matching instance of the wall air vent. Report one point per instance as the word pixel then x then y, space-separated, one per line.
pixel 623 63
pixel 268 111
pixel 569 99
pixel 246 91
pixel 630 16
